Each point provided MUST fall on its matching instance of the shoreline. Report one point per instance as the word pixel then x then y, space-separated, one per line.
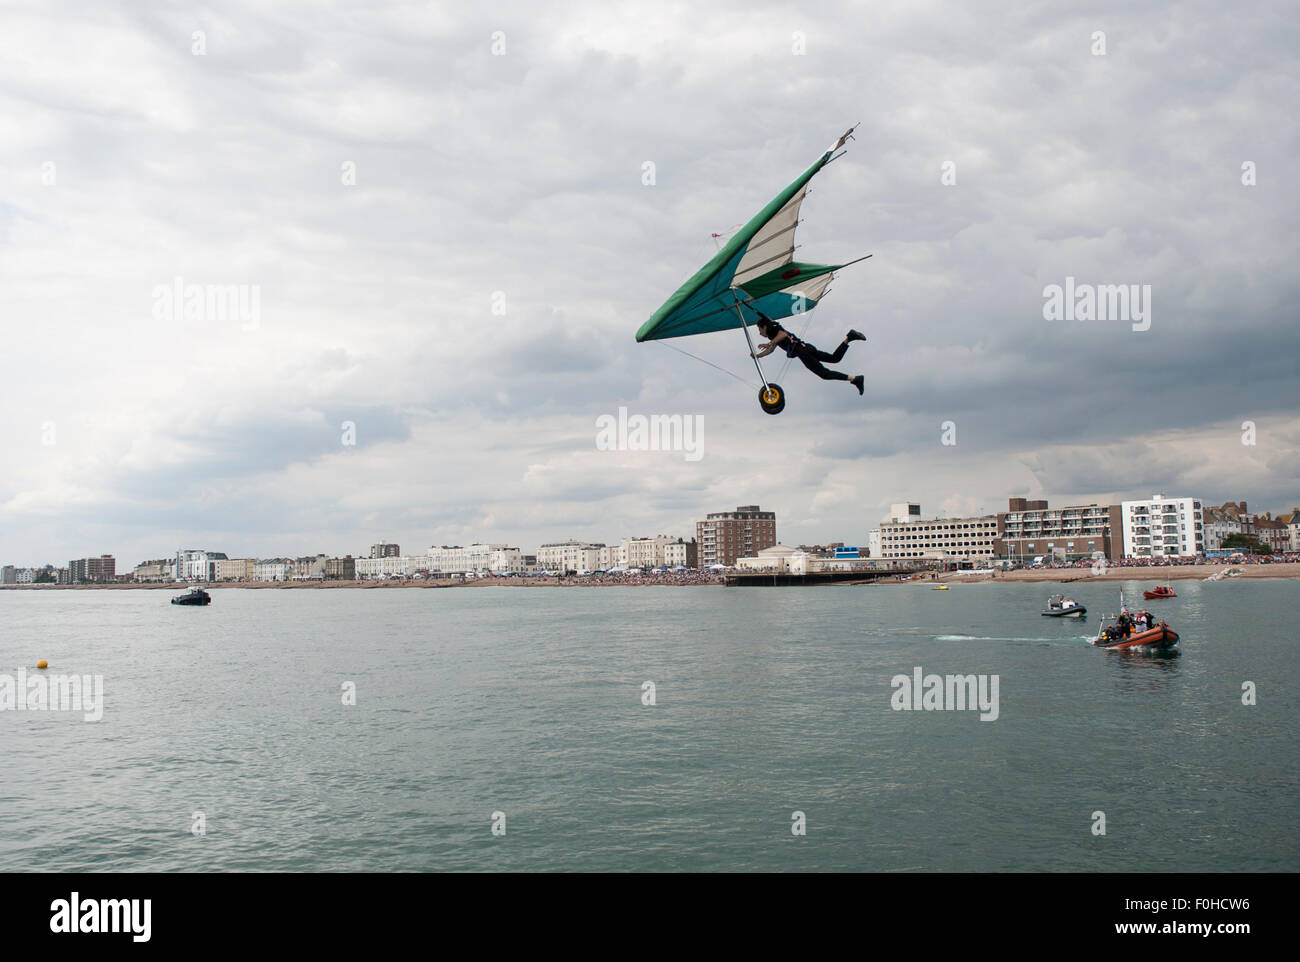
pixel 1156 574
pixel 573 582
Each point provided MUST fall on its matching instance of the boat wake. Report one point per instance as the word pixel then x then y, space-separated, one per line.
pixel 990 638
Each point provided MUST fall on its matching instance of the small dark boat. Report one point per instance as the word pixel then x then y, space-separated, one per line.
pixel 196 596
pixel 1159 591
pixel 1063 607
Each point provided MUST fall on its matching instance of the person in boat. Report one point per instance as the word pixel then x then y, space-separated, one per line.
pixel 812 359
pixel 1124 623
pixel 1141 620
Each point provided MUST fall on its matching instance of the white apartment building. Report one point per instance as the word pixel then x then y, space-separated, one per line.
pixel 196 565
pixel 25 575
pixel 273 569
pixel 644 552
pixel 475 559
pixel 392 566
pixel 1162 527
pixel 904 536
pixel 569 556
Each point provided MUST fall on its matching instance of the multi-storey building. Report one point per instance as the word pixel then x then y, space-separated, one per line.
pixel 197 565
pixel 569 556
pixel 645 552
pixel 25 576
pixel 273 569
pixel 101 570
pixel 234 569
pixel 475 559
pixel 1163 527
pixel 368 569
pixel 1030 529
pixel 8 575
pixel 1229 518
pixel 341 569
pixel 385 551
pixel 904 536
pixel 1217 531
pixel 309 568
pixel 683 553
pixel 160 569
pixel 725 536
pixel 1273 532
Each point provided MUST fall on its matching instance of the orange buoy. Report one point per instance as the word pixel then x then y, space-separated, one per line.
pixel 42 664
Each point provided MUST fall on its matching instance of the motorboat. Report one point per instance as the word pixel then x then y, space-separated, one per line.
pixel 938 587
pixel 1159 591
pixel 1063 607
pixel 1124 634
pixel 195 596
pixel 1160 638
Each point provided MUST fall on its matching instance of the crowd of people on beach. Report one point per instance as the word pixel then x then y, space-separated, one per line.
pixel 691 576
pixel 1245 559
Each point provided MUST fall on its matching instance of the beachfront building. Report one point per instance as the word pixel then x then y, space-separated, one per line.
pixel 309 568
pixel 101 570
pixel 384 550
pixel 725 536
pixel 392 566
pixel 1030 529
pixel 904 535
pixel 475 559
pixel 1293 530
pixel 567 556
pixel 272 569
pixel 234 569
pixel 1273 532
pixel 644 552
pixel 155 571
pixel 1162 527
pixel 1229 518
pixel 341 569
pixel 196 565
pixel 1217 531
pixel 681 553
pixel 8 575
pixel 25 576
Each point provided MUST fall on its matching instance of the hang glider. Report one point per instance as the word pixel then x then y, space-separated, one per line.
pixel 753 275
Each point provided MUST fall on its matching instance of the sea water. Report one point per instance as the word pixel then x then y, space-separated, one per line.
pixel 649 729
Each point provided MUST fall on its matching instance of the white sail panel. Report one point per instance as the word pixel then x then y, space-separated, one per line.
pixel 773 245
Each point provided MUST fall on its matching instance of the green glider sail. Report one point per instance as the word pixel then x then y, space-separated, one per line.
pixel 754 273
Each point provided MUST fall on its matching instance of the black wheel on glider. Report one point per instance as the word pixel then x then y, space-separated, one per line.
pixel 772 398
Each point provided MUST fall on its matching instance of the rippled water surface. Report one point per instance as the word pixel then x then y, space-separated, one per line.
pixel 471 701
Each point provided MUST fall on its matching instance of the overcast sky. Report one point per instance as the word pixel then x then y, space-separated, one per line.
pixel 128 160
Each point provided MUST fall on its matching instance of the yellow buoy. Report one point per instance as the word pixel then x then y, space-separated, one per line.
pixel 42 664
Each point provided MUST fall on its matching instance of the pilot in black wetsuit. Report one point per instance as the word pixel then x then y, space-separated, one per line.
pixel 778 336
